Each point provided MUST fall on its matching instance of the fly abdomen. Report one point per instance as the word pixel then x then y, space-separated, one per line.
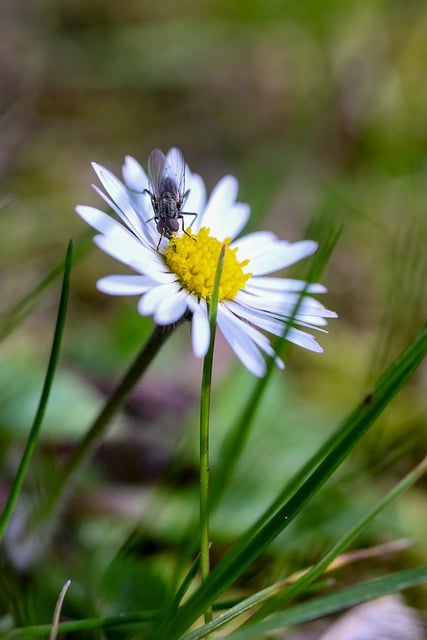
pixel 168 207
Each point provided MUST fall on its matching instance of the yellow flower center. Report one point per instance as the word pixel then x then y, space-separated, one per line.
pixel 194 259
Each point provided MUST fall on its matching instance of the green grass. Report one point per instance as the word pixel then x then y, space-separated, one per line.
pixel 320 113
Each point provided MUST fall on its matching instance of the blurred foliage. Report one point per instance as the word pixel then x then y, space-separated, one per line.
pixel 318 107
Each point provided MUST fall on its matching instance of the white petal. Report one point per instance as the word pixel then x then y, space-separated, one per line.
pixel 263 343
pixel 137 183
pixel 296 336
pixel 102 222
pixel 276 303
pixel 200 329
pixel 112 205
pixel 134 175
pixel 283 304
pixel 280 256
pixel 254 244
pixel 124 285
pixel 222 199
pixel 233 221
pixel 196 200
pixel 303 339
pixel 274 325
pixel 259 319
pixel 120 197
pixel 312 322
pixel 130 252
pixel 285 284
pixel 143 231
pixel 242 345
pixel 172 308
pixel 149 302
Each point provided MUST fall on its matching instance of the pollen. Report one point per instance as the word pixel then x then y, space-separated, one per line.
pixel 194 259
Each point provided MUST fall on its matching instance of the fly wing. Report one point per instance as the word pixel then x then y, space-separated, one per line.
pixel 175 168
pixel 156 169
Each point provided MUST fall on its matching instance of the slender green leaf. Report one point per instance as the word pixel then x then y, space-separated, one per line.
pixel 88 624
pixel 312 574
pixel 325 605
pixel 277 594
pixel 252 546
pixel 38 419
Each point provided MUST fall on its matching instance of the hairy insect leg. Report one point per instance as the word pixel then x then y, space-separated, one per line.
pixel 162 235
pixel 181 216
pixel 188 213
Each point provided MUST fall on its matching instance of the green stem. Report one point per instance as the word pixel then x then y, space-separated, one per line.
pixel 114 402
pixel 205 401
pixel 204 473
pixel 38 419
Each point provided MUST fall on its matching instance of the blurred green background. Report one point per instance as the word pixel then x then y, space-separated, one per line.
pixel 319 109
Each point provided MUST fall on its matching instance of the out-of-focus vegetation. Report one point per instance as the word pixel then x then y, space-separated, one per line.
pixel 319 109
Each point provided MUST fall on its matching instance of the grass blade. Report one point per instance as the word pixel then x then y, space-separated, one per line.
pixel 38 419
pixel 251 546
pixel 325 605
pixel 277 594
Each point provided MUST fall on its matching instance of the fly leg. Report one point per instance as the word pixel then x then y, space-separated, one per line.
pixel 181 216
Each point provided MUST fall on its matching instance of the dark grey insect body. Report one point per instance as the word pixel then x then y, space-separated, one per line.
pixel 167 191
pixel 167 207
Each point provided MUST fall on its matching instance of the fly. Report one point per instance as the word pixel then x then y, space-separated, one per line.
pixel 167 191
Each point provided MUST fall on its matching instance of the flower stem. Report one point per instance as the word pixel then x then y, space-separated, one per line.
pixel 204 474
pixel 205 401
pixel 84 448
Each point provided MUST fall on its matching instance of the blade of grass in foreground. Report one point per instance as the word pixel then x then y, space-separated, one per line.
pixel 308 577
pixel 50 373
pixel 248 604
pixel 88 624
pixel 277 594
pixel 252 545
pixel 325 605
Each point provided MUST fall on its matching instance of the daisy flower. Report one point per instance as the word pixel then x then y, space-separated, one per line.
pixel 175 264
